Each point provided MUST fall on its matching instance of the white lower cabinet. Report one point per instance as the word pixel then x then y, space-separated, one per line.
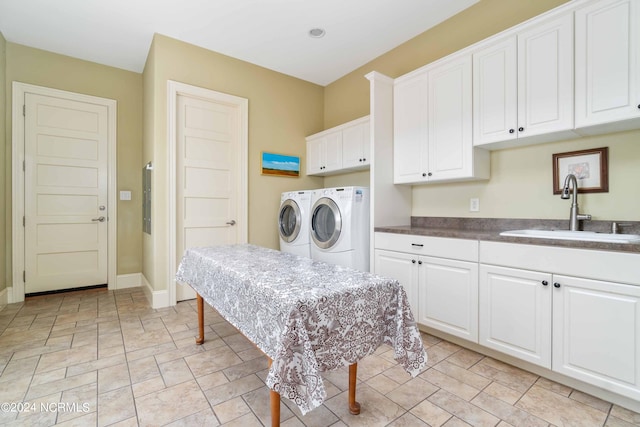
pixel 442 291
pixel 448 296
pixel 596 336
pixel 587 328
pixel 400 266
pixel 527 301
pixel 515 313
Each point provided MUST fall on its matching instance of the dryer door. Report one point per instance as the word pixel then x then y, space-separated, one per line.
pixel 326 223
pixel 289 220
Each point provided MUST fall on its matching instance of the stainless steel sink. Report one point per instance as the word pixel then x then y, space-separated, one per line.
pixel 588 236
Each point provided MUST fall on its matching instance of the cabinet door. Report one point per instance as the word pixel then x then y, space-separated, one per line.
pixel 410 136
pixel 515 313
pixel 333 151
pixel 355 146
pixel 607 67
pixel 495 92
pixel 596 334
pixel 448 292
pixel 324 153
pixel 450 122
pixel 545 78
pixel 315 156
pixel 402 267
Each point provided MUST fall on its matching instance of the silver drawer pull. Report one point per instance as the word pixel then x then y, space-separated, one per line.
pixel 100 219
pixel 417 244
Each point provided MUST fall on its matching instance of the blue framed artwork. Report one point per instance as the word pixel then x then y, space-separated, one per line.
pixel 280 165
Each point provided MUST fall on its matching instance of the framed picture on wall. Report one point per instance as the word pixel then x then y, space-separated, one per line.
pixel 589 166
pixel 280 165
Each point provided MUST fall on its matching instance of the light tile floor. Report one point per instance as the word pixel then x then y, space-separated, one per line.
pixel 104 358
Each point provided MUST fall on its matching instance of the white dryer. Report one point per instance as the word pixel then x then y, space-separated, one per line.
pixel 293 222
pixel 340 226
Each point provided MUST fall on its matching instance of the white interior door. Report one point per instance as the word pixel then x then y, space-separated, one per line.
pixel 66 188
pixel 207 175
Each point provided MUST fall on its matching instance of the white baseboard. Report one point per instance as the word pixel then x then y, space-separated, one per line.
pixel 124 281
pixel 157 299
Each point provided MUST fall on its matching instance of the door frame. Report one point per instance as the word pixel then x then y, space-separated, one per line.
pixel 18 189
pixel 174 89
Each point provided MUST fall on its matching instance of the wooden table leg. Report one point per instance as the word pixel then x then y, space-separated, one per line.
pixel 275 405
pixel 354 407
pixel 200 302
pixel 275 408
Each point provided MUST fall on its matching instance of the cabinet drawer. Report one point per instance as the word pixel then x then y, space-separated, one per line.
pixel 612 266
pixel 442 247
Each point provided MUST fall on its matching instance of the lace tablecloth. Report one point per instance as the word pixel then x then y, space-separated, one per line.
pixel 307 316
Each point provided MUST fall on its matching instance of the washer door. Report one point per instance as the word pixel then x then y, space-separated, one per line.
pixel 289 221
pixel 326 223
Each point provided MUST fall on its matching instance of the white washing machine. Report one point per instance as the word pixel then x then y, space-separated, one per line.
pixel 340 226
pixel 293 222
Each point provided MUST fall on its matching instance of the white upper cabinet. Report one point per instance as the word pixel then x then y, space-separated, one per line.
pixel 433 126
pixel 495 92
pixel 523 86
pixel 410 136
pixel 339 149
pixel 356 146
pixel 607 66
pixel 324 153
pixel 450 125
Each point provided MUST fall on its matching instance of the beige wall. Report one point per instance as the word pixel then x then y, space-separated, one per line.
pixel 521 184
pixel 282 111
pixel 42 68
pixel 4 246
pixel 348 97
pixel 521 179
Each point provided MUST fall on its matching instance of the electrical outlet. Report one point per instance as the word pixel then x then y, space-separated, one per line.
pixel 474 205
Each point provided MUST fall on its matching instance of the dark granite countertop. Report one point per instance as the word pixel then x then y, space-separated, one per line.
pixel 489 229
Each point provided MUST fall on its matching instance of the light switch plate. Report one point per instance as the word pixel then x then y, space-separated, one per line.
pixel 125 195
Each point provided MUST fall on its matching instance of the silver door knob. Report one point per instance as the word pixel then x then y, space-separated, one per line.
pixel 232 222
pixel 100 219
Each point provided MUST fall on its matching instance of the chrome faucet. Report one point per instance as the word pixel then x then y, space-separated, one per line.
pixel 574 215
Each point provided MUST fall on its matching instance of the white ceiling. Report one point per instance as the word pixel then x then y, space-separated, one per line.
pixel 269 33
